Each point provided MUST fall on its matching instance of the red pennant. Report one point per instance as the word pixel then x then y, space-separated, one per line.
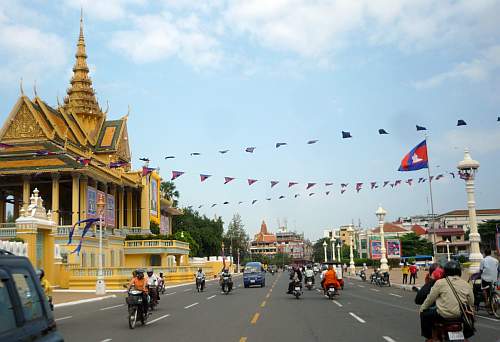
pixel 373 185
pixel 290 184
pixel 204 177
pixel 310 185
pixel 409 181
pixel 359 186
pixel 273 183
pixel 228 179
pixel 176 174
pixel 251 181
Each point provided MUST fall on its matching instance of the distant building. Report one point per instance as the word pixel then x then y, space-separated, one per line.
pixel 460 218
pixel 264 242
pixel 291 243
pixel 331 233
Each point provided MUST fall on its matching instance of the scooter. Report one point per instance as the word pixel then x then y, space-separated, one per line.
pixel 200 284
pixel 309 283
pixel 297 289
pixel 362 275
pixel 331 292
pixel 226 284
pixel 135 308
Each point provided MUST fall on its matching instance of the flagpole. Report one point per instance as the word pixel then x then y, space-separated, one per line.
pixel 432 201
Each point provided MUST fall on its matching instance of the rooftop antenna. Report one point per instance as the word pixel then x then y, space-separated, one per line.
pixel 34 89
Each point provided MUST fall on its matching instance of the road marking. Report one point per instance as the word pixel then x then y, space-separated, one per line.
pixel 267 295
pixel 270 290
pixel 389 339
pixel 361 286
pixel 190 306
pixel 489 318
pixel 357 317
pixel 337 303
pixel 395 295
pixel 263 304
pixel 375 290
pixel 107 340
pixel 255 318
pixel 243 339
pixel 171 293
pixel 186 290
pixel 112 307
pixel 62 318
pixel 211 297
pixel 157 319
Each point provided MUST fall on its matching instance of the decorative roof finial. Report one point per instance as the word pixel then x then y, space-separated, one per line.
pixel 34 89
pixel 21 87
pixel 107 107
pixel 81 23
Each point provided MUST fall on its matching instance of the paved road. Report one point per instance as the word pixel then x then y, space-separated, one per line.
pixel 362 313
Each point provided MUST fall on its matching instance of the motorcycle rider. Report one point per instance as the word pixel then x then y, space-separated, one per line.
pixel 139 282
pixel 295 275
pixel 446 304
pixel 489 272
pixel 309 274
pixel 161 282
pixel 201 274
pixel 153 282
pixel 225 273
pixel 330 278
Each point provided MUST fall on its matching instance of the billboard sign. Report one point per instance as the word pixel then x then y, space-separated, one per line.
pixel 91 202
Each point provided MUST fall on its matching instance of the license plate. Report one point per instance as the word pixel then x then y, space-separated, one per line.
pixel 252 281
pixel 456 335
pixel 297 288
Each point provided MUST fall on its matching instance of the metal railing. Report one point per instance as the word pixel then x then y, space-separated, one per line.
pixel 156 243
pixel 7 232
pixel 127 271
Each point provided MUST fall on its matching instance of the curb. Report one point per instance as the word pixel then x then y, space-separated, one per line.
pixel 82 301
pixel 396 285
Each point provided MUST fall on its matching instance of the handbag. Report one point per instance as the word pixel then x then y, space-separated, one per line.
pixel 467 312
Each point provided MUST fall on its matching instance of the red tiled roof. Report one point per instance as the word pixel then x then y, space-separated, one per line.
pixel 419 230
pixel 460 212
pixel 447 231
pixel 390 228
pixel 263 235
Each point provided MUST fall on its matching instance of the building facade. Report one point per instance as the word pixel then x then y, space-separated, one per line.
pixel 264 243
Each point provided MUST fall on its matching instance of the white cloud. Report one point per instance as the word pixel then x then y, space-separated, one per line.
pixel 155 37
pixel 104 9
pixel 479 141
pixel 478 69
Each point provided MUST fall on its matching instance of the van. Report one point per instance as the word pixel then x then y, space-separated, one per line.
pixel 254 275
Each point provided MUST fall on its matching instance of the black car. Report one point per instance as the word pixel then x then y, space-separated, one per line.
pixel 25 313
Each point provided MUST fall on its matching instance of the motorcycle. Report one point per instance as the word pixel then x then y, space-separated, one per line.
pixel 135 308
pixel 332 292
pixel 200 284
pixel 153 297
pixel 297 289
pixel 161 286
pixel 309 283
pixel 226 284
pixel 450 330
pixel 383 279
pixel 362 275
pixel 373 278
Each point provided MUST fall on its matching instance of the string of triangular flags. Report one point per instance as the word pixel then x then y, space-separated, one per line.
pixel 344 135
pixel 358 186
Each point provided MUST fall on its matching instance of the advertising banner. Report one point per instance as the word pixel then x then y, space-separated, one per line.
pixel 110 210
pixel 164 225
pixel 91 202
pixel 375 249
pixel 393 248
pixel 154 198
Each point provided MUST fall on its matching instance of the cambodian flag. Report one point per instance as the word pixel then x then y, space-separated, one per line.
pixel 416 159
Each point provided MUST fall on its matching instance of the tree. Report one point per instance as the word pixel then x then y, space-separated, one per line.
pixel 186 237
pixel 206 232
pixel 10 217
pixel 169 191
pixel 319 252
pixel 487 231
pixel 236 237
pixel 412 244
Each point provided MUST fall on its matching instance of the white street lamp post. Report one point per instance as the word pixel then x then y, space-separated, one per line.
pixel 333 249
pixel 448 249
pixel 338 251
pixel 381 217
pixel 352 268
pixel 467 170
pixel 324 248
pixel 100 288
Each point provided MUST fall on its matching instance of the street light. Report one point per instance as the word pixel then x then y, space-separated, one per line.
pixel 324 248
pixel 100 288
pixel 333 249
pixel 448 248
pixel 338 250
pixel 467 170
pixel 381 217
pixel 352 268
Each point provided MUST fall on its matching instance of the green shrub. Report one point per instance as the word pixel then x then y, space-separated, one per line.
pixel 16 239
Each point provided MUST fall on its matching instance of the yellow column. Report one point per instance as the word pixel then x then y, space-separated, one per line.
pixel 129 207
pixel 75 198
pixel 28 234
pixel 134 209
pixel 121 211
pixel 113 193
pixel 16 206
pixel 26 191
pixel 55 197
pixel 164 260
pixel 145 221
pixel 84 183
pixel 48 262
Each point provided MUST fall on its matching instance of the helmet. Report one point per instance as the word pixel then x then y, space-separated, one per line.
pixel 139 273
pixel 199 269
pixel 309 267
pixel 452 268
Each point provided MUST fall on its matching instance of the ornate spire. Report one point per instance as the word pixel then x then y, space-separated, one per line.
pixel 81 100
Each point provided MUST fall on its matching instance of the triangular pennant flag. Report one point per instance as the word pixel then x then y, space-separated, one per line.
pixel 169 157
pixel 373 185
pixel 310 142
pixel 398 182
pixel 280 144
pixel 382 131
pixel 281 197
pixel 342 190
pixel 438 177
pixel 223 151
pixel 461 123
pixel 117 164
pixel 296 195
pixel 310 185
pixel 359 186
pixel 250 149
pixel 498 118
pixel 240 202
pixel 269 198
pixel 409 181
pixel 251 181
pixel 213 205
pixel 328 184
pixel 204 177
pixel 385 183
pixel 290 184
pixel 273 183
pixel 228 179
pixel 83 161
pixel 225 203
pixel 421 180
pixel 254 201
pixel 346 135
pixel 344 185
pixel 452 174
pixel 431 178
pixel 200 206
pixel 421 128
pixel 196 154
pixel 392 185
pixel 328 193
pixel 175 174
pixel 312 193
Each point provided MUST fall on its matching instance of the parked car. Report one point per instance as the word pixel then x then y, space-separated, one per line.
pixel 25 312
pixel 254 275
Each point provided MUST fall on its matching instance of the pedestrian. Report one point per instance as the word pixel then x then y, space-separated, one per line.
pixel 406 271
pixel 413 272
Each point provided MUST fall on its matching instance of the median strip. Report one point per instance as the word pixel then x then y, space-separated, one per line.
pixel 255 318
pixel 359 319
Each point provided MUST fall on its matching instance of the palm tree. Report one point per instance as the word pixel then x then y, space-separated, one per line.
pixel 169 192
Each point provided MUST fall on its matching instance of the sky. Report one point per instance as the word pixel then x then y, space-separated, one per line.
pixel 204 76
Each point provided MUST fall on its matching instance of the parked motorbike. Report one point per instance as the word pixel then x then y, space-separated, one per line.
pixel 297 289
pixel 309 283
pixel 373 277
pixel 200 284
pixel 362 275
pixel 383 279
pixel 135 308
pixel 226 284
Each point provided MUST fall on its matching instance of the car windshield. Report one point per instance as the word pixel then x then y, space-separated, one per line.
pixel 251 269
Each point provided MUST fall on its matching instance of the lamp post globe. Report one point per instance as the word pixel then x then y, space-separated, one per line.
pixel 467 169
pixel 100 288
pixel 352 267
pixel 324 249
pixel 380 213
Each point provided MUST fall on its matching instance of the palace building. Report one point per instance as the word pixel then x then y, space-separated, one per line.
pixel 71 157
